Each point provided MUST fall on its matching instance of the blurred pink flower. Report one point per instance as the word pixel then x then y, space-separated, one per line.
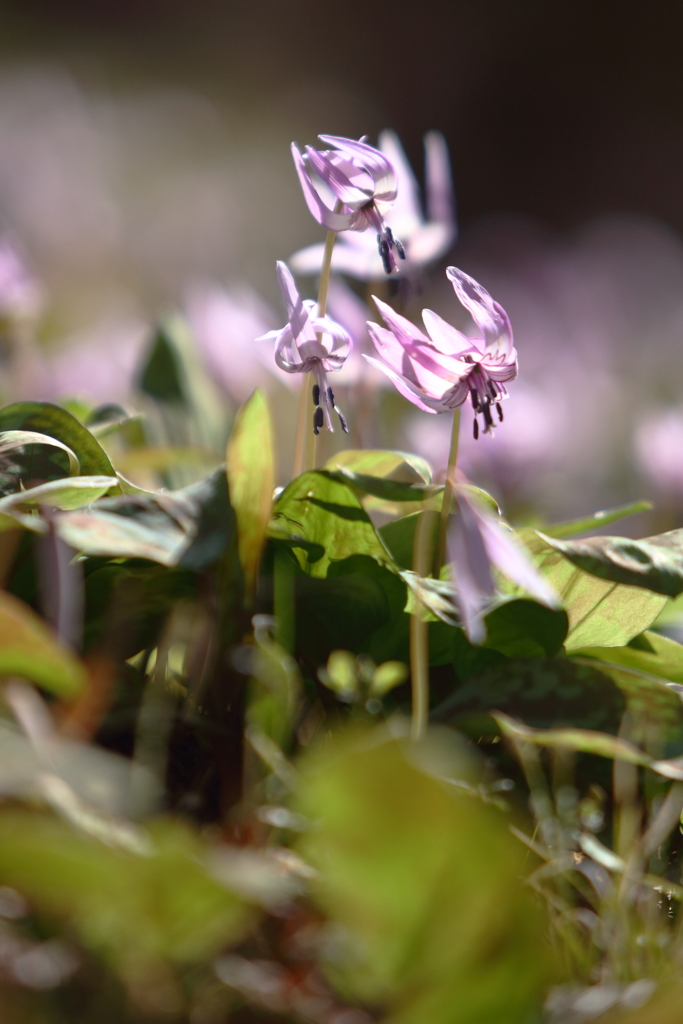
pixel 226 323
pixel 658 447
pixel 438 373
pixel 309 343
pixel 477 542
pixel 21 294
pixel 424 239
pixel 361 180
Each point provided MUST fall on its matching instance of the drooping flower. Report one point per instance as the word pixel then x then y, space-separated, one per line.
pixel 424 239
pixel 438 373
pixel 309 343
pixel 362 183
pixel 477 543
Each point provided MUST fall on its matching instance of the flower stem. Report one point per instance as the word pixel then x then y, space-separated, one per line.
pixel 305 445
pixel 419 629
pixel 447 496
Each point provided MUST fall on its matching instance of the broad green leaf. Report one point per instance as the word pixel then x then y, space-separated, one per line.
pixel 162 458
pixel 28 648
pixel 387 489
pixel 162 376
pixel 524 628
pixel 601 613
pixel 57 423
pixel 647 696
pixel 98 531
pixel 587 523
pixel 322 510
pixel 10 440
pixel 388 465
pixel 650 652
pixel 588 741
pixel 420 882
pixel 655 563
pixel 73 492
pixel 544 691
pixel 250 468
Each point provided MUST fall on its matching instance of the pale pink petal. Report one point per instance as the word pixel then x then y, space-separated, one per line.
pixel 474 585
pixel 446 338
pixel 402 327
pixel 439 181
pixel 346 180
pixel 407 389
pixel 372 160
pixel 328 218
pixel 488 315
pixel 407 210
pixel 297 313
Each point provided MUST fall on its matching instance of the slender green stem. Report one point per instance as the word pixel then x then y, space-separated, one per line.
pixel 447 496
pixel 305 446
pixel 419 629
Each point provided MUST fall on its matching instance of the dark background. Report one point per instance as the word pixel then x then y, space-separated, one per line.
pixel 560 111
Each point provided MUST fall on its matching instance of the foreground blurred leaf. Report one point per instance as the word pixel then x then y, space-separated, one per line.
pixel 251 478
pixel 601 613
pixel 57 423
pixel 322 510
pixel 137 911
pixel 421 885
pixel 655 563
pixel 10 440
pixel 587 523
pixel 28 648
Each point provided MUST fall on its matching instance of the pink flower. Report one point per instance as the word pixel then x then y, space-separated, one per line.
pixel 477 543
pixel 438 373
pixel 309 343
pixel 361 180
pixel 21 295
pixel 424 238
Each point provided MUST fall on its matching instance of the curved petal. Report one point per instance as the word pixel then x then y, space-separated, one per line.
pixel 349 183
pixel 297 312
pixel 439 181
pixel 403 329
pixel 488 315
pixel 328 218
pixel 286 353
pixel 407 208
pixel 446 338
pixel 407 389
pixel 374 162
pixel 340 340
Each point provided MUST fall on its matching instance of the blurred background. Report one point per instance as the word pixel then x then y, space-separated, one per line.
pixel 145 169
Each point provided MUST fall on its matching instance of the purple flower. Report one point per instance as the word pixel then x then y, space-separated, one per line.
pixel 361 180
pixel 438 373
pixel 309 343
pixel 21 295
pixel 477 543
pixel 424 239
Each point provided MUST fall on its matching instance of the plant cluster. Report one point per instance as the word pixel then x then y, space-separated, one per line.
pixel 350 749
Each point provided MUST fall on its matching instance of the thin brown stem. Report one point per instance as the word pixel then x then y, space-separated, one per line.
pixel 419 630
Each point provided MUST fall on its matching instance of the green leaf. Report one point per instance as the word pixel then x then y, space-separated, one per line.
pixel 135 911
pixel 601 613
pixel 250 467
pixel 74 492
pixel 162 376
pixel 322 510
pixel 650 652
pixel 588 741
pixel 388 465
pixel 388 490
pixel 523 628
pixel 420 881
pixel 10 440
pixel 544 691
pixel 587 523
pixel 147 531
pixel 28 648
pixel 57 423
pixel 655 563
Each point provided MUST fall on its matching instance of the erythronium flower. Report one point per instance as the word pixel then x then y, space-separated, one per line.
pixel 477 542
pixel 363 183
pixel 438 373
pixel 309 343
pixel 424 239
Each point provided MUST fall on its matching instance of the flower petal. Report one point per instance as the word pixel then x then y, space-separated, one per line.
pixel 328 218
pixel 446 338
pixel 488 315
pixel 408 389
pixel 349 183
pixel 374 162
pixel 439 181
pixel 407 210
pixel 472 570
pixel 297 312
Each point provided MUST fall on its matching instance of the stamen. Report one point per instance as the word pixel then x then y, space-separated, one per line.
pixel 340 414
pixel 400 249
pixel 487 414
pixel 317 420
pixel 474 398
pixel 316 394
pixel 475 430
pixel 330 395
pixel 500 412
